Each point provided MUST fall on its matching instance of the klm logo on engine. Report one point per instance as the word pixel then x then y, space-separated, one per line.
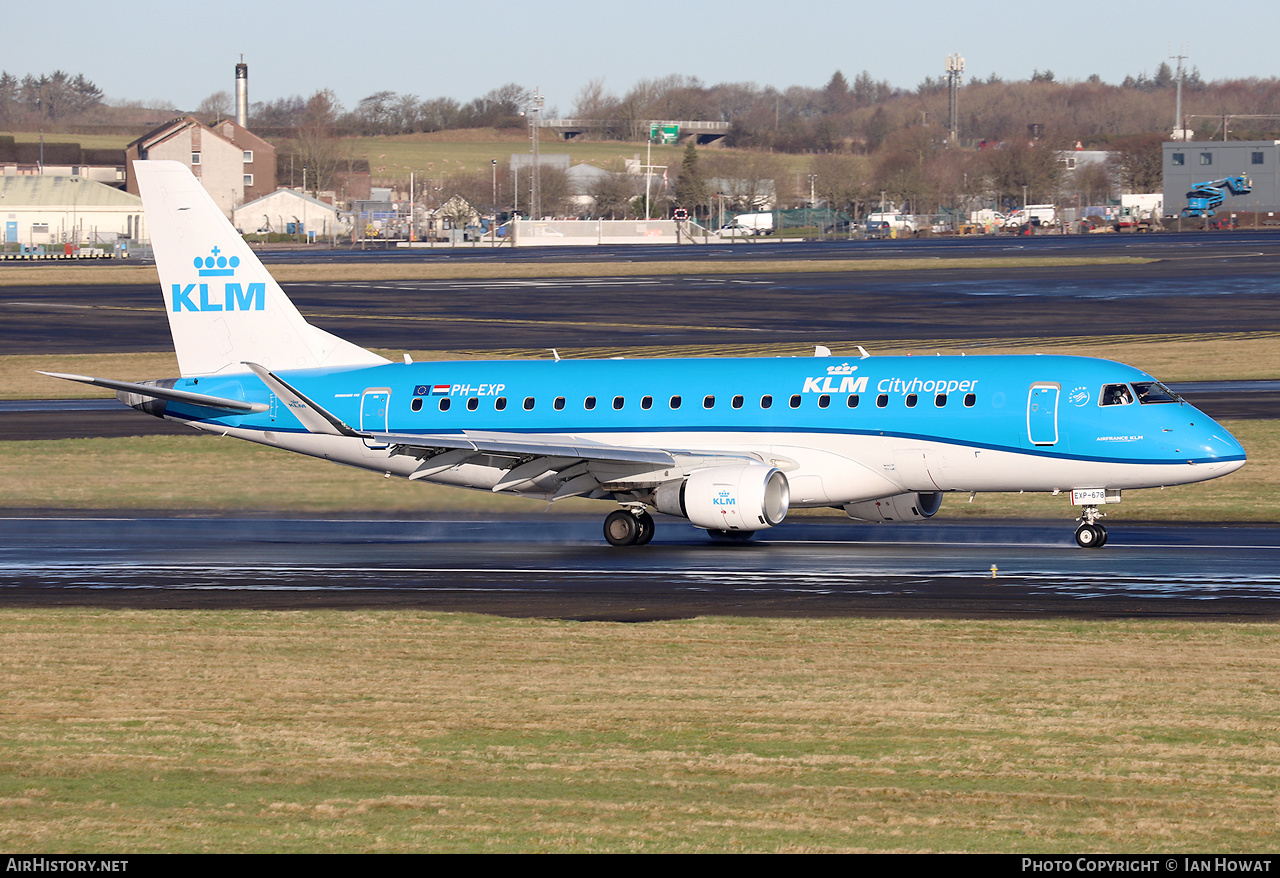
pixel 724 498
pixel 206 296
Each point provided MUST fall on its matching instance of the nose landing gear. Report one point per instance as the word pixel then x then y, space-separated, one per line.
pixel 1090 534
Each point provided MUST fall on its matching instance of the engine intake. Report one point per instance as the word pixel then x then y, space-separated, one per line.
pixel 728 498
pixel 901 507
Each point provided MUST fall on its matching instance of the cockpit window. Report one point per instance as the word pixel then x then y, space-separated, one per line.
pixel 1154 391
pixel 1116 394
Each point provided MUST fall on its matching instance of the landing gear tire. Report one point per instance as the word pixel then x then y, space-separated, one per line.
pixel 1091 536
pixel 731 536
pixel 622 527
pixel 647 529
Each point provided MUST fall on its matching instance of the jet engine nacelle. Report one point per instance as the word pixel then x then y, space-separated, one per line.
pixel 901 507
pixel 749 497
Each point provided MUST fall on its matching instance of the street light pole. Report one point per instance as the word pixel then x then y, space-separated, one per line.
pixel 812 177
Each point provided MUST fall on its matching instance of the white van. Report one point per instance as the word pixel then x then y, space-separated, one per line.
pixel 1043 215
pixel 899 222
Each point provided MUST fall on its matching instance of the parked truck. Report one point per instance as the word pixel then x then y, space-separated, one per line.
pixel 1140 213
pixel 748 224
pixel 898 223
pixel 1042 215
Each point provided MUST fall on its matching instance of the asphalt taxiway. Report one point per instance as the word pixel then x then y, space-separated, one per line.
pixel 1195 285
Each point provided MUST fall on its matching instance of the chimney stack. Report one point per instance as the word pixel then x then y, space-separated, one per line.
pixel 242 93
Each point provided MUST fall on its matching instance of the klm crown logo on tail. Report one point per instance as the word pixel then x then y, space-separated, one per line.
pixel 234 296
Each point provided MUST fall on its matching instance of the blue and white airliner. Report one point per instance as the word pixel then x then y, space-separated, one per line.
pixel 729 444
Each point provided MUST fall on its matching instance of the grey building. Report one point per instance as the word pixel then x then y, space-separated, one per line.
pixel 1189 162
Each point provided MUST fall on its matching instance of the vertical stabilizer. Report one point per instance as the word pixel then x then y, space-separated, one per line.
pixel 224 308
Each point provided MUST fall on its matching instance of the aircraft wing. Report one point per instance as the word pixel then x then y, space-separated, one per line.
pixel 549 465
pixel 545 464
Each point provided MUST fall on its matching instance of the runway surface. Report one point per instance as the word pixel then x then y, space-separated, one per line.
pixel 559 567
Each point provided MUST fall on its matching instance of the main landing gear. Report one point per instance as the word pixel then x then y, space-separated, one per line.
pixel 628 527
pixel 1090 534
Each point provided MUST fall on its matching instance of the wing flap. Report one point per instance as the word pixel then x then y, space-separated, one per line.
pixel 521 445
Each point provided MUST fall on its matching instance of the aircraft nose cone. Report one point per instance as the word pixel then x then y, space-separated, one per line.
pixel 1217 448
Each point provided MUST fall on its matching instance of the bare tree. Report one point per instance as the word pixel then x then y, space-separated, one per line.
pixel 749 180
pixel 614 194
pixel 1139 161
pixel 215 107
pixel 318 145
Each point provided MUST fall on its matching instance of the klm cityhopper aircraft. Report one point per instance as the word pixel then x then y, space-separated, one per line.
pixel 729 444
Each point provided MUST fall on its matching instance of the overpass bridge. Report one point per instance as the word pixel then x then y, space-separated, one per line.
pixel 703 132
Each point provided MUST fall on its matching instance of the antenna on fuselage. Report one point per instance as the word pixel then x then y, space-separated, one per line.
pixel 555 353
pixel 821 351
pixel 862 351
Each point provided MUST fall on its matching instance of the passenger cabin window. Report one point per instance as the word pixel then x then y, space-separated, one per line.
pixel 500 404
pixel 795 400
pixel 444 404
pixel 1154 392
pixel 472 404
pixel 708 402
pixel 766 401
pixel 416 405
pixel 589 403
pixel 558 405
pixel 528 403
pixel 882 400
pixel 970 400
pixel 675 402
pixel 824 401
pixel 646 403
pixel 940 400
pixel 618 403
pixel 737 402
pixel 853 400
pixel 1115 394
pixel 912 399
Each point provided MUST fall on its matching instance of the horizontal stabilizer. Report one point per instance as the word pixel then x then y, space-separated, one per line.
pixel 168 393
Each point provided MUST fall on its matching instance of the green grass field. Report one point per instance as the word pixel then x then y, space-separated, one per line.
pixel 392 158
pixel 402 731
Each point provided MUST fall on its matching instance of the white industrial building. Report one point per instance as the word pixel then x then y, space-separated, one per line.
pixel 51 211
pixel 287 211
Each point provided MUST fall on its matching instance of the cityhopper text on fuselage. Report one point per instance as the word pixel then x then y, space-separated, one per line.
pixel 731 444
